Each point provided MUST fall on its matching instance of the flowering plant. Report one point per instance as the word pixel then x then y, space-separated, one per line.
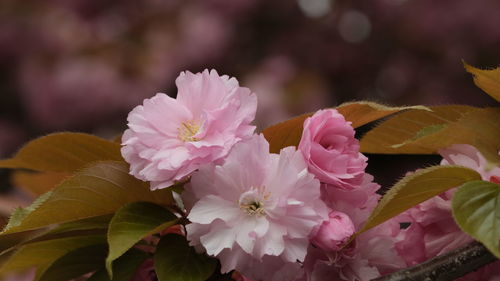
pixel 192 192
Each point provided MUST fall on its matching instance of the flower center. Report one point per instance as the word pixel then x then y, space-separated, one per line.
pixel 187 130
pixel 252 201
pixel 253 208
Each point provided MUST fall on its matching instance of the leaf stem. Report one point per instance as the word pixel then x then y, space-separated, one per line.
pixel 446 267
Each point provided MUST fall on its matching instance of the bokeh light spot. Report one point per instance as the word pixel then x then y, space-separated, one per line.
pixel 354 26
pixel 315 8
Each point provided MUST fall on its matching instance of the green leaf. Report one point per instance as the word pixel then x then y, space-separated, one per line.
pixel 486 79
pixel 43 254
pixel 37 183
pixel 81 227
pixel 399 134
pixel 175 260
pixel 63 152
pixel 98 190
pixel 363 112
pixel 132 223
pixel 124 267
pixel 417 188
pixel 9 241
pixel 75 263
pixel 429 130
pixel 92 223
pixel 476 209
pixel 423 132
pixel 484 128
pixel 20 214
pixel 288 133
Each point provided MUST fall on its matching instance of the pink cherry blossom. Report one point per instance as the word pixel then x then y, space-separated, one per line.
pixel 468 156
pixel 433 230
pixel 356 203
pixel 255 211
pixel 370 255
pixel 168 138
pixel 332 234
pixel 331 150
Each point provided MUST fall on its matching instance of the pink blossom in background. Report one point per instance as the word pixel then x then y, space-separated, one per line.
pixel 332 234
pixel 10 137
pixel 60 77
pixel 433 230
pixel 168 138
pixel 331 150
pixel 134 48
pixel 256 211
pixel 203 35
pixel 61 91
pixel 268 81
pixel 285 90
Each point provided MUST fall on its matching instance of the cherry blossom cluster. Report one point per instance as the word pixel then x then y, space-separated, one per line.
pixel 433 230
pixel 285 216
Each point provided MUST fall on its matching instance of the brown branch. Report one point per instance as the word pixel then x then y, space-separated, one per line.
pixel 447 267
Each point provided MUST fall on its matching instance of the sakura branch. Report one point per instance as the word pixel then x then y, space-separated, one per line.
pixel 447 267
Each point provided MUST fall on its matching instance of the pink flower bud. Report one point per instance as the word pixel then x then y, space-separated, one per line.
pixel 333 233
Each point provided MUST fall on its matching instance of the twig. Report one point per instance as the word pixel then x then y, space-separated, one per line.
pixel 446 267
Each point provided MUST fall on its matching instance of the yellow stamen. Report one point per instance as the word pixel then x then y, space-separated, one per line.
pixel 253 208
pixel 187 130
pixel 252 202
